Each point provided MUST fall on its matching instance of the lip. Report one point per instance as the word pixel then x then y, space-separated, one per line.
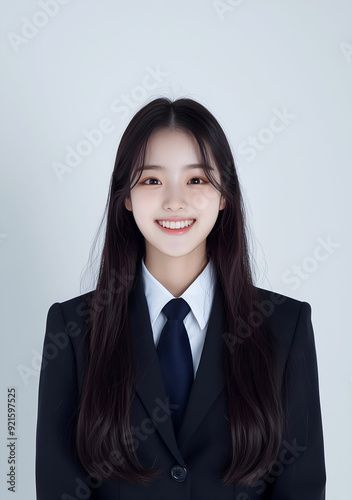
pixel 182 230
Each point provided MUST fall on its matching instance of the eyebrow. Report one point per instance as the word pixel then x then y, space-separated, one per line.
pixel 186 167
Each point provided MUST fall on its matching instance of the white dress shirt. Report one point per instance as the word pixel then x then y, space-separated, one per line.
pixel 199 295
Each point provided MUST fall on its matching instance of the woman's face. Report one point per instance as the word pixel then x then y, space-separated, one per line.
pixel 173 187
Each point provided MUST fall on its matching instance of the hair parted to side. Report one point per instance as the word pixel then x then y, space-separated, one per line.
pixel 252 389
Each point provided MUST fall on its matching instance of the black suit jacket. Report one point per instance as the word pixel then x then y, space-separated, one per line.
pixel 203 444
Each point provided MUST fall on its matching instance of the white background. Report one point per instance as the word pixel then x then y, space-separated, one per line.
pixel 246 63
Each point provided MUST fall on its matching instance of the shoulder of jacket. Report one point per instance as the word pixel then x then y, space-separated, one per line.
pixel 75 309
pixel 75 300
pixel 278 299
pixel 281 311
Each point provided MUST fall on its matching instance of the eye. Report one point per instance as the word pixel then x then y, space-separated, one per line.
pixel 199 179
pixel 149 183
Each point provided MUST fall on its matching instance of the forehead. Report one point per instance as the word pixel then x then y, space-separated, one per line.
pixel 170 145
pixel 171 150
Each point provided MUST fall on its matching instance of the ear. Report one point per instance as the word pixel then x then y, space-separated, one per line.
pixel 128 203
pixel 222 203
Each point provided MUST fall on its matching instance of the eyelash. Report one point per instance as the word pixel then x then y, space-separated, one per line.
pixel 153 178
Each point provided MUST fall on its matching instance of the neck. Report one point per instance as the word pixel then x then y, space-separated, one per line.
pixel 176 274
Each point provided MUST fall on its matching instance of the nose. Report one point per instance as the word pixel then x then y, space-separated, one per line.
pixel 175 199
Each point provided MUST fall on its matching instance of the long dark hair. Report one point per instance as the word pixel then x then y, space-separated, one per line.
pixel 252 387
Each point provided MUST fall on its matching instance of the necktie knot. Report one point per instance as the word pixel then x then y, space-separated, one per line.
pixel 176 309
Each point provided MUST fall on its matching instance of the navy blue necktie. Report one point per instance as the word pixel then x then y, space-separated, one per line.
pixel 175 358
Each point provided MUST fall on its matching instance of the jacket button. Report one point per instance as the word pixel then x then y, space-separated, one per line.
pixel 178 473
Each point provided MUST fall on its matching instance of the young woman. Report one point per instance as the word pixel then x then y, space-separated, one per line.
pixel 176 377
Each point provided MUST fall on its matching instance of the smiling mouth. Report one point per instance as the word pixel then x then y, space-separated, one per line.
pixel 180 224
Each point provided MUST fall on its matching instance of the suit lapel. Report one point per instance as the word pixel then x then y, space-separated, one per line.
pixel 149 383
pixel 208 382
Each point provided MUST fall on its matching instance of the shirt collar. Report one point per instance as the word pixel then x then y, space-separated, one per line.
pixel 199 295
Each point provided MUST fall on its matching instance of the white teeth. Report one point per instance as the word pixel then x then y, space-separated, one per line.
pixel 175 225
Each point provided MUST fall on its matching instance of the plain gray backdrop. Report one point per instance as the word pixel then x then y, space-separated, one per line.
pixel 278 77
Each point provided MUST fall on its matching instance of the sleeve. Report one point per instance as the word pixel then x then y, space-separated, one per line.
pixel 59 475
pixel 299 471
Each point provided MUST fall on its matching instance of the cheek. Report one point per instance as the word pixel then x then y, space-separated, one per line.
pixel 206 199
pixel 141 201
